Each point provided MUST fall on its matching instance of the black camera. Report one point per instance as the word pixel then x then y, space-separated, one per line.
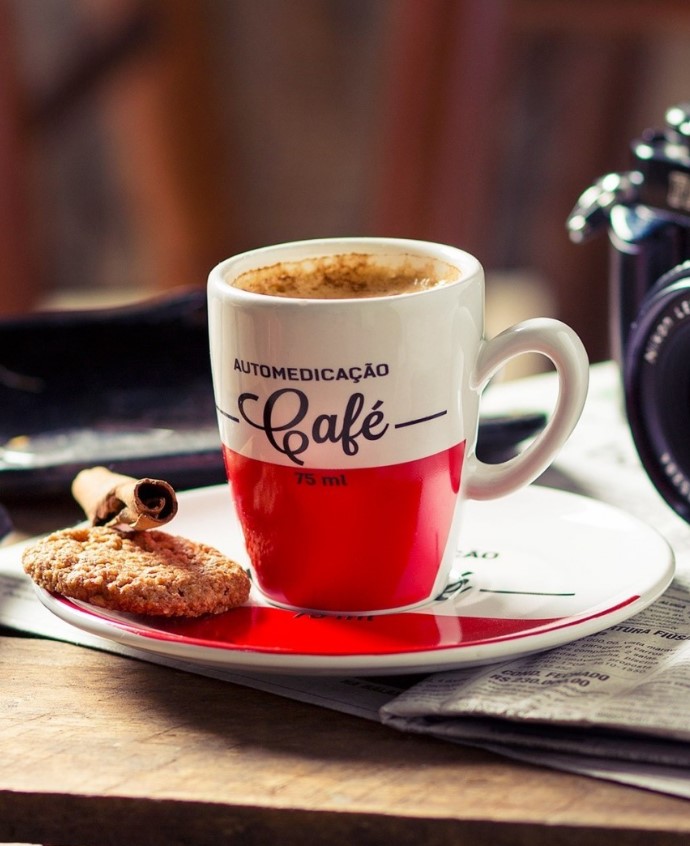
pixel 647 211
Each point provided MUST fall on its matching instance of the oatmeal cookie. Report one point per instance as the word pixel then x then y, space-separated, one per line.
pixel 141 572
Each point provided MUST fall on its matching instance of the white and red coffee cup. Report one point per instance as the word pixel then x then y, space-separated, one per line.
pixel 349 426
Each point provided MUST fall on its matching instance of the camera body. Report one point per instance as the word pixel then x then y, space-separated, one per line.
pixel 647 212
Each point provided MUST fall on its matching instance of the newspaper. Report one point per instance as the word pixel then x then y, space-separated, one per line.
pixel 613 705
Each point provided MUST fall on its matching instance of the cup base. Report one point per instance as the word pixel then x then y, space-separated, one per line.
pixel 350 615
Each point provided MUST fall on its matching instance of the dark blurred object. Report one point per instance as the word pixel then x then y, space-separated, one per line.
pixel 499 437
pixel 5 523
pixel 128 387
pixel 647 212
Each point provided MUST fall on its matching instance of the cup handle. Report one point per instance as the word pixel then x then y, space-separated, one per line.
pixel 564 348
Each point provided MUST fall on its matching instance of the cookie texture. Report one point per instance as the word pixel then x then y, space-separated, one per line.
pixel 153 572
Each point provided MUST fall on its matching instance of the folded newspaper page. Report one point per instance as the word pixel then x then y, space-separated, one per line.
pixel 615 704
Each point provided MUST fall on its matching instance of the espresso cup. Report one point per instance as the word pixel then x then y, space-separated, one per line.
pixel 347 375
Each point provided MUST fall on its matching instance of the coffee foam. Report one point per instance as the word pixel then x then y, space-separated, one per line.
pixel 348 276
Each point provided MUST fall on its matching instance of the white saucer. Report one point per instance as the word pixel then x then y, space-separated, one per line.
pixel 535 570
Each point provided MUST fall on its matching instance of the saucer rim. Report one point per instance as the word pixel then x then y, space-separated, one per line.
pixel 610 611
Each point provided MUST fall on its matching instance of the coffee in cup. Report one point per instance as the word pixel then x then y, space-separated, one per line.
pixel 347 276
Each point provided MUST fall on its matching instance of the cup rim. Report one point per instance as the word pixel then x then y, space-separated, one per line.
pixel 254 259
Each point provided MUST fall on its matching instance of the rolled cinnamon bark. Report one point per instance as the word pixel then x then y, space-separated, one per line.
pixel 111 499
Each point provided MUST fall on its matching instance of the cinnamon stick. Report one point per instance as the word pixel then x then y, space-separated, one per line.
pixel 111 499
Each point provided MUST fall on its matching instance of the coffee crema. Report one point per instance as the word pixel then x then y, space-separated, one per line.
pixel 348 276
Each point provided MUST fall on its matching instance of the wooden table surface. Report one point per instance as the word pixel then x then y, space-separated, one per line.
pixel 100 749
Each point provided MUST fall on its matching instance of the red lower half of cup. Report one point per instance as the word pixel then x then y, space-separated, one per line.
pixel 349 541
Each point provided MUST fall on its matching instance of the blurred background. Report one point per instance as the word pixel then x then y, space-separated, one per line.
pixel 142 141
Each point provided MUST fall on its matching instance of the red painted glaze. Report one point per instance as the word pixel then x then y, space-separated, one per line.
pixel 262 629
pixel 347 540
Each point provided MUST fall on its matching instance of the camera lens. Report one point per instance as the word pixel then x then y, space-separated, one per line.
pixel 657 387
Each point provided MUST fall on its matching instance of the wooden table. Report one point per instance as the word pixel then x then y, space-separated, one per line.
pixel 100 749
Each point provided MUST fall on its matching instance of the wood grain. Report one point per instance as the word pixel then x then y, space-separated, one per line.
pixel 99 749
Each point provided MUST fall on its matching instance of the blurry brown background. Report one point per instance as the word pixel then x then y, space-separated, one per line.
pixel 141 141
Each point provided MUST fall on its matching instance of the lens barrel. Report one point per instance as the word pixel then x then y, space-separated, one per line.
pixel 656 371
